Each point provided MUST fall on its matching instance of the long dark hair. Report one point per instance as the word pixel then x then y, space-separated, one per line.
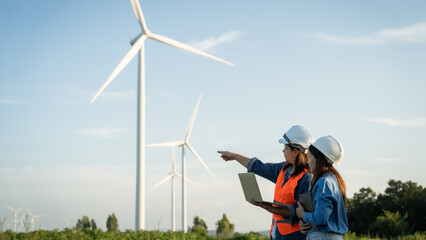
pixel 301 161
pixel 322 166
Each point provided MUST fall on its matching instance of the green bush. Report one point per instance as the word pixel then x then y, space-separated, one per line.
pixel 390 225
pixel 225 229
pixel 200 226
pixel 112 223
pixel 249 236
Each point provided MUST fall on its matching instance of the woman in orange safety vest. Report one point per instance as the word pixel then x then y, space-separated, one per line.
pixel 291 179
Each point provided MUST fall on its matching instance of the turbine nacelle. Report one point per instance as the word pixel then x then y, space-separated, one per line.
pixel 135 39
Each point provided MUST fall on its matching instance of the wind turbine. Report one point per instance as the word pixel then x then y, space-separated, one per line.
pixel 16 215
pixel 25 225
pixel 182 144
pixel 172 177
pixel 32 219
pixel 138 45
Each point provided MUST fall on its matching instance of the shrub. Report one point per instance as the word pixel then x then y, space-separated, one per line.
pixel 390 225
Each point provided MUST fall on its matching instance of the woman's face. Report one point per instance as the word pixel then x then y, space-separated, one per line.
pixel 311 161
pixel 289 154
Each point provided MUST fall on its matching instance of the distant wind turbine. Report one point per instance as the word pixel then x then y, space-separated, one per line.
pixel 25 225
pixel 182 144
pixel 138 45
pixel 172 177
pixel 32 219
pixel 16 215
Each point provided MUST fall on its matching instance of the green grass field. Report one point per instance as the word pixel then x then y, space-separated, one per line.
pixel 73 234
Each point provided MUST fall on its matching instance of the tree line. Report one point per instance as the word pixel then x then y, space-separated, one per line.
pixel 400 210
pixel 85 224
pixel 224 229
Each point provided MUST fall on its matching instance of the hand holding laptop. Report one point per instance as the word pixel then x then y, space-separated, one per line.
pixel 267 205
pixel 252 191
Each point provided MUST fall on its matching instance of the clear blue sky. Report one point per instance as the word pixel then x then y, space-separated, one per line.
pixel 352 69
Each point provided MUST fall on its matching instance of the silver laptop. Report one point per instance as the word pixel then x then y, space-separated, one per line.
pixel 251 188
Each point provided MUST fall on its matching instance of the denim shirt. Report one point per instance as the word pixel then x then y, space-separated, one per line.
pixel 329 207
pixel 271 171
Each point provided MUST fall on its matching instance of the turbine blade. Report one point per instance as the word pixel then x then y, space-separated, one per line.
pixel 193 183
pixel 201 160
pixel 123 63
pixel 185 47
pixel 139 15
pixel 161 182
pixel 166 144
pixel 191 122
pixel 10 208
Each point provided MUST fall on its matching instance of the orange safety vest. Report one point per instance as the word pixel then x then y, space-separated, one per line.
pixel 285 195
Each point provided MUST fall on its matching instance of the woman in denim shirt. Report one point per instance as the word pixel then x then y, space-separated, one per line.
pixel 328 193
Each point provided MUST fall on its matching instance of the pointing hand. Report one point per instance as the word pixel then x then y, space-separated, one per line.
pixel 227 156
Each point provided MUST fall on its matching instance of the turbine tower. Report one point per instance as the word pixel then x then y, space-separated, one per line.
pixel 172 177
pixel 16 215
pixel 182 144
pixel 138 45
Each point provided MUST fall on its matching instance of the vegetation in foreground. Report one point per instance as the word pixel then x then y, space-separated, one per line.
pixel 72 234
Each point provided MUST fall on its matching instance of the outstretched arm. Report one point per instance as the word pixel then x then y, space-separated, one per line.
pixel 228 156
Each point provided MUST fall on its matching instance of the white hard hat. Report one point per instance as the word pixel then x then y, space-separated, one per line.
pixel 297 135
pixel 330 147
